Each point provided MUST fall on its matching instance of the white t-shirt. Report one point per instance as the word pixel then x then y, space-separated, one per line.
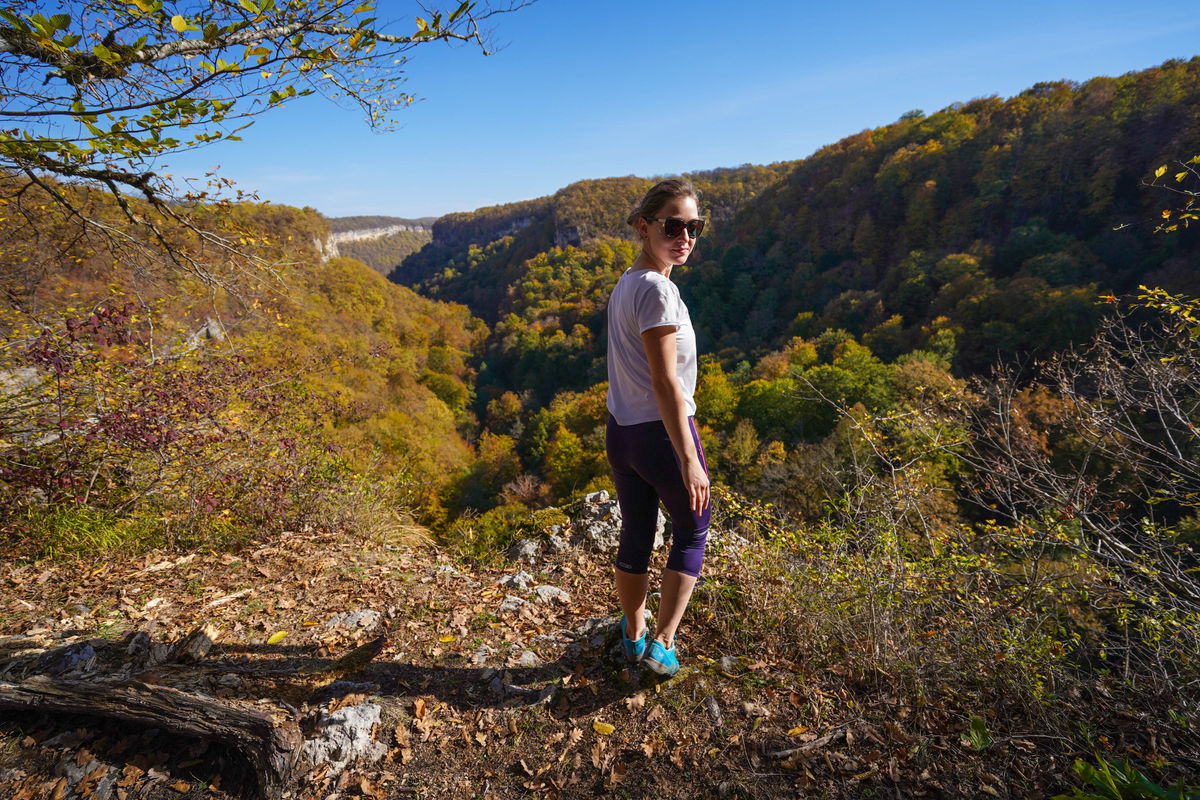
pixel 644 299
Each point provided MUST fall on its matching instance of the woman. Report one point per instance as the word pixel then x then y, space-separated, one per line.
pixel 653 446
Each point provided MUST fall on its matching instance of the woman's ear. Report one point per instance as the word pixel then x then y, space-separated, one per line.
pixel 641 226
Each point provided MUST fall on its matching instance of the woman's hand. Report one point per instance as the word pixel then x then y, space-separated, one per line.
pixel 696 481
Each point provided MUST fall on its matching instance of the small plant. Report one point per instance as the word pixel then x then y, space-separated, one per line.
pixel 978 735
pixel 1111 781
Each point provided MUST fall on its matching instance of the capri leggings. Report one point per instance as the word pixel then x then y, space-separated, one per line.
pixel 645 470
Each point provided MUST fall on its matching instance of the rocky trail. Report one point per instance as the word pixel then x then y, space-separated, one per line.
pixel 317 667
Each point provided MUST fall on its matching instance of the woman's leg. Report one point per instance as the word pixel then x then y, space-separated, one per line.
pixel 639 516
pixel 631 592
pixel 673 599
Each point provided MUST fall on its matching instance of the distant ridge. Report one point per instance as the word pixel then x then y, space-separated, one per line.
pixel 368 222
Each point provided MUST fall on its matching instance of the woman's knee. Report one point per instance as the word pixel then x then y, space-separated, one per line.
pixel 687 552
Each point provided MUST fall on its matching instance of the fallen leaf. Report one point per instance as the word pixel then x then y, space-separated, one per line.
pixel 129 775
pixel 799 729
pixel 419 708
pixel 602 728
pixel 617 774
pixel 181 787
pixel 446 638
pixel 60 790
pixel 574 736
pixel 276 637
pixel 636 702
pixel 655 714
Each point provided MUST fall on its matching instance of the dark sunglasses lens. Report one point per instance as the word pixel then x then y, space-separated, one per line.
pixel 673 227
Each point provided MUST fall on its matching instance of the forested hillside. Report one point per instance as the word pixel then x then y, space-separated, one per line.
pixel 215 399
pixel 897 260
pixel 1037 200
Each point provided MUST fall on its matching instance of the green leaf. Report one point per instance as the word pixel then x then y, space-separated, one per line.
pixel 980 736
pixel 104 54
pixel 20 24
pixel 462 9
pixel 60 22
pixel 249 6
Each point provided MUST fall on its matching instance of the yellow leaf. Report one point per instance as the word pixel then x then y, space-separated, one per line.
pixel 602 728
pixel 277 637
pixel 308 623
pixel 799 729
pixel 1179 176
pixel 179 23
pixel 445 638
pixel 1158 173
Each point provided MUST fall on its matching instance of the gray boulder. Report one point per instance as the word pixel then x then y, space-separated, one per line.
pixel 527 550
pixel 599 523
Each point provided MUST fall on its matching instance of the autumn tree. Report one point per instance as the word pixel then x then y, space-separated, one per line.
pixel 98 92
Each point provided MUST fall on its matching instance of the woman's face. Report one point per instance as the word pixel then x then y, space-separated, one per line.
pixel 669 251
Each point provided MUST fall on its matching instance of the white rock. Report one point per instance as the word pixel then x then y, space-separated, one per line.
pixel 480 656
pixel 522 580
pixel 527 659
pixel 552 594
pixel 344 737
pixel 511 603
pixel 355 619
pixel 526 550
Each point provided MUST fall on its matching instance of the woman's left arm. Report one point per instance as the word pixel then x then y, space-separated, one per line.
pixel 659 344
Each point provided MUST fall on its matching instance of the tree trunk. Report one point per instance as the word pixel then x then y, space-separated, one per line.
pixel 271 747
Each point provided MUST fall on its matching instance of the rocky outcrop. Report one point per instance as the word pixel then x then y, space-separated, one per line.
pixel 329 247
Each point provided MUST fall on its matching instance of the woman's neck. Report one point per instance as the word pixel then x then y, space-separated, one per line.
pixel 646 261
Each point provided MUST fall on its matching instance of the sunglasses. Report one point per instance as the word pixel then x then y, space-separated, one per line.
pixel 673 226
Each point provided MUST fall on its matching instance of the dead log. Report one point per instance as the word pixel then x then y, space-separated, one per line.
pixel 14 647
pixel 194 647
pixel 272 747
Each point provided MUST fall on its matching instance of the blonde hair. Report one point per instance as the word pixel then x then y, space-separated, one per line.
pixel 659 195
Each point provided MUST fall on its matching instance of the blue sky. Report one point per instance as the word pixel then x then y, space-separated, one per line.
pixel 591 89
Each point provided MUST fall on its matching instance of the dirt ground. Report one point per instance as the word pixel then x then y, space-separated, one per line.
pixel 477 695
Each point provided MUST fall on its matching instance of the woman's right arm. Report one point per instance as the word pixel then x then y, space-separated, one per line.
pixel 659 344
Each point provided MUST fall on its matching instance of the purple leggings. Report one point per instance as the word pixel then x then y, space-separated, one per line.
pixel 645 470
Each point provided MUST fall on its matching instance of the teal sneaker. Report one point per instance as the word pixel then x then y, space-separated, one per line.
pixel 660 659
pixel 633 650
